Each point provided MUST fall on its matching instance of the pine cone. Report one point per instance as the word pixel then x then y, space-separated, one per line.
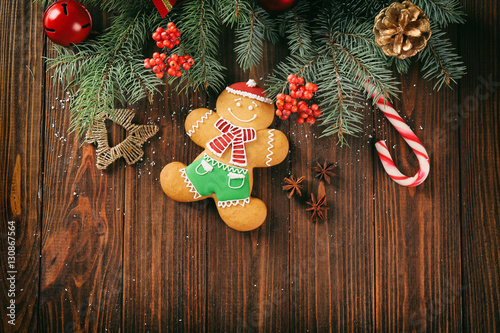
pixel 402 30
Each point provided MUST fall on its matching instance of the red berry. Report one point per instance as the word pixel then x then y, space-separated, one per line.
pixel 309 86
pixel 303 115
pixel 284 117
pixel 315 107
pixel 161 65
pixel 174 57
pixel 300 80
pixel 300 120
pixel 177 33
pixel 299 94
pixel 170 25
pixel 292 87
pixel 156 69
pixel 171 71
pixel 294 101
pixel 288 106
pixel 156 36
pixel 190 61
pixel 295 109
pixel 293 94
pixel 147 65
pixel 173 63
pixel 311 120
pixel 316 114
pixel 315 88
pixel 164 35
pixel 163 56
pixel 186 66
pixel 176 42
pixel 159 30
pixel 309 112
pixel 156 55
pixel 159 44
pixel 187 57
pixel 279 113
pixel 181 60
pixel 308 94
pixel 291 78
pixel 288 99
pixel 303 107
pixel 159 75
pixel 152 62
pixel 280 96
pixel 280 102
pixel 178 73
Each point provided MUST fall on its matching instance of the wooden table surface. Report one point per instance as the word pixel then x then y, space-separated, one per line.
pixel 109 252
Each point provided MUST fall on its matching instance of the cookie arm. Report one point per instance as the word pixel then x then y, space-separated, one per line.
pixel 270 148
pixel 200 127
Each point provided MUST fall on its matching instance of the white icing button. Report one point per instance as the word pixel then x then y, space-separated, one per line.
pixel 238 104
pixel 250 107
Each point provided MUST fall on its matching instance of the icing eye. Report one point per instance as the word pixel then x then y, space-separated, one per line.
pixel 238 104
pixel 250 107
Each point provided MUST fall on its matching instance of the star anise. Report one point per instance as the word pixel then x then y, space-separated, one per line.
pixel 293 185
pixel 325 171
pixel 317 207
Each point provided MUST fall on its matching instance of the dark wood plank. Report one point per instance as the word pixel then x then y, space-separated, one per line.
pixel 418 274
pixel 478 114
pixel 165 241
pixel 331 261
pixel 82 228
pixel 247 280
pixel 21 153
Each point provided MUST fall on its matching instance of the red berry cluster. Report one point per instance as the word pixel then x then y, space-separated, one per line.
pixel 167 38
pixel 287 104
pixel 174 63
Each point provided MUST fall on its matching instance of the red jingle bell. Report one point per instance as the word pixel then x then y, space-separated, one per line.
pixel 66 22
pixel 277 5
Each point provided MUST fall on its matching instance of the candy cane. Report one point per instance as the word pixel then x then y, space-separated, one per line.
pixel 410 138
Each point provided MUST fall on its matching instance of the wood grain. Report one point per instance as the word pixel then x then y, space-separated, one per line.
pixel 82 228
pixel 331 261
pixel 418 275
pixel 477 115
pixel 21 154
pixel 99 251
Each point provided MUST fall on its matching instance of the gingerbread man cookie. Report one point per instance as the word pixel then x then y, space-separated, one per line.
pixel 236 139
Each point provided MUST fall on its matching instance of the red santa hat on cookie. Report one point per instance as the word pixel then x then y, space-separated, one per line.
pixel 249 89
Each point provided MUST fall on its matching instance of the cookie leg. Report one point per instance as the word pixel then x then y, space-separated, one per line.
pixel 244 218
pixel 173 183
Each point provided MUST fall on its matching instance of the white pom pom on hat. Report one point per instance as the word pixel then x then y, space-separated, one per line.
pixel 249 89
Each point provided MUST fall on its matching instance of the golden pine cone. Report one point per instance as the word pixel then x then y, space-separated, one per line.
pixel 402 30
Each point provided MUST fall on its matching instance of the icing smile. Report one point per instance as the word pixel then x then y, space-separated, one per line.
pixel 244 121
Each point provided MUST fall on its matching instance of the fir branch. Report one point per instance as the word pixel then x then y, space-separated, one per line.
pixel 296 29
pixel 234 12
pixel 442 12
pixel 201 26
pixel 440 60
pixel 250 38
pixel 103 72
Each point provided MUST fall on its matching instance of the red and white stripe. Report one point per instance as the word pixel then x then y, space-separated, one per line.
pixel 410 138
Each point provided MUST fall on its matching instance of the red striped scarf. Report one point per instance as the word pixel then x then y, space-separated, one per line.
pixel 235 136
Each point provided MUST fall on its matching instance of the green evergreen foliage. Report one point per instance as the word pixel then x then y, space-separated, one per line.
pixel 331 43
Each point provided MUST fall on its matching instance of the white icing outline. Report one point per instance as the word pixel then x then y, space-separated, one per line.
pixel 243 121
pixel 198 122
pixel 271 146
pixel 230 203
pixel 250 95
pixel 224 166
pixel 190 185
